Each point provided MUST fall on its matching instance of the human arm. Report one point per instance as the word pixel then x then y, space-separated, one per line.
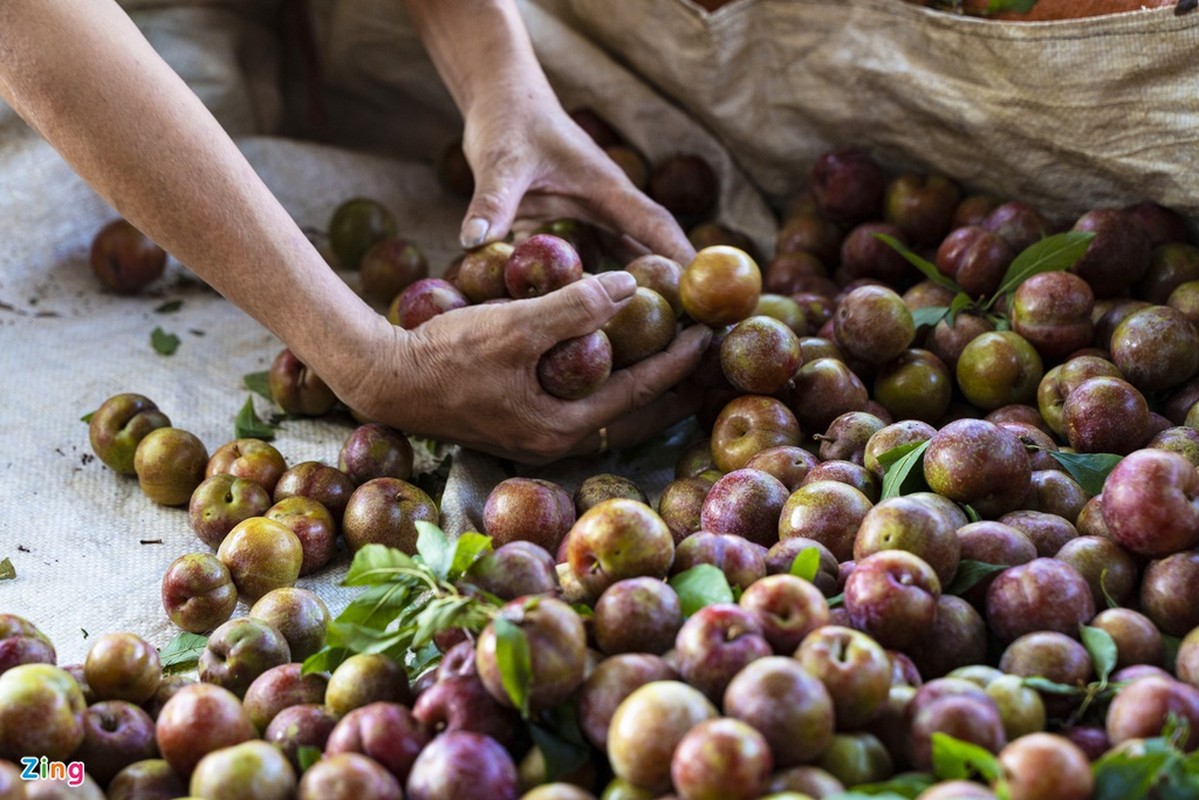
pixel 528 156
pixel 86 79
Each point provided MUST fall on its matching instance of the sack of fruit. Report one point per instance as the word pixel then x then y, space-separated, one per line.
pixel 1068 115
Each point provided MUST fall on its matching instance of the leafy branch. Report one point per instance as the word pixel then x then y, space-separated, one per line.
pixel 1055 253
pixel 1102 649
pixel 1156 767
pixel 408 600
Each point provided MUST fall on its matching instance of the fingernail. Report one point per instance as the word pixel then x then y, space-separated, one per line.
pixel 474 232
pixel 702 335
pixel 618 283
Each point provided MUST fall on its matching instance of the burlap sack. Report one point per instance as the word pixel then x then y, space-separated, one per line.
pixel 1068 115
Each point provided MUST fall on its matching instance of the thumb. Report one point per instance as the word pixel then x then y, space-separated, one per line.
pixel 493 207
pixel 577 308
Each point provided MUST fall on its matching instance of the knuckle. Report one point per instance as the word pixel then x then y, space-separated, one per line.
pixel 588 300
pixel 545 446
pixel 642 394
pixel 490 201
pixel 634 390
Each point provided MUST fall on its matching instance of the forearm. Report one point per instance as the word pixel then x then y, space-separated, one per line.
pixel 480 48
pixel 84 77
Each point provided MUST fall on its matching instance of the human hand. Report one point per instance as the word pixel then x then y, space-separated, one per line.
pixel 470 377
pixel 529 158
pixel 532 161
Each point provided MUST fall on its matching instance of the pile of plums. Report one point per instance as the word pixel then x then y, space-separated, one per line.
pixel 925 506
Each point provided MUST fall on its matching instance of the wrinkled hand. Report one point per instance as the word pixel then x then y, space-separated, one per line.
pixel 470 377
pixel 531 161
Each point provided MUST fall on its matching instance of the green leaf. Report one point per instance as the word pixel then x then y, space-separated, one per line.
pixel 969 573
pixel 857 793
pixel 87 417
pixel 927 268
pixel 169 307
pixel 954 759
pixel 326 659
pixel 1178 784
pixel 961 301
pixel 1046 686
pixel 376 563
pixel 247 425
pixel 558 737
pixel 1052 254
pixel 929 315
pixel 468 548
pixel 702 585
pixel 1019 6
pixel 1125 775
pixel 1102 648
pixel 1188 774
pixel 379 605
pixel 1170 645
pixel 1190 763
pixel 836 600
pixel 888 458
pixel 806 564
pixel 971 514
pixel 434 548
pixel 307 755
pixel 438 616
pixel 365 639
pixel 514 661
pixel 1107 597
pixel 259 383
pixel 1090 470
pixel 1175 731
pixel 420 660
pixel 163 343
pixel 906 785
pixel 183 651
pixel 7 570
pixel 902 476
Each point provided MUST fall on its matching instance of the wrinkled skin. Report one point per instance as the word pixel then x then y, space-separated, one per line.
pixel 465 376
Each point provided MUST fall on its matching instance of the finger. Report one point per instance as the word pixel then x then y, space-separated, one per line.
pixel 609 199
pixel 637 426
pixel 637 386
pixel 574 310
pixel 499 187
pixel 634 214
pixel 543 207
pixel 625 248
